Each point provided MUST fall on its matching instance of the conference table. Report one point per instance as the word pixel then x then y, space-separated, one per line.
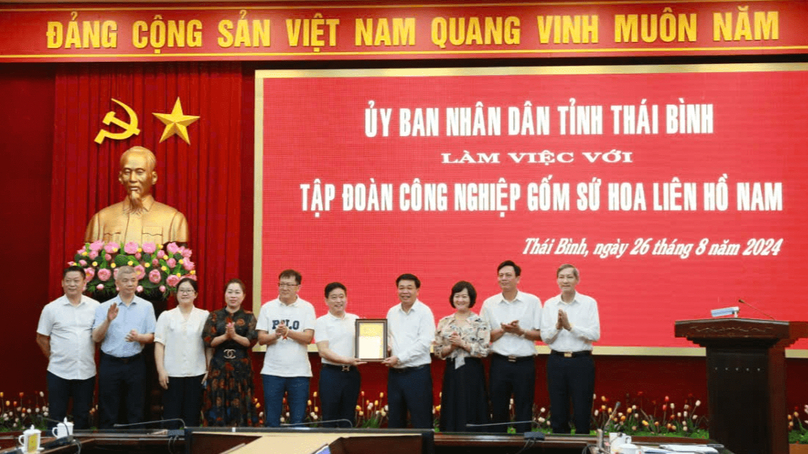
pixel 309 441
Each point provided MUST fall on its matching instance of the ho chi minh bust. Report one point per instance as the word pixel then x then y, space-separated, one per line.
pixel 139 217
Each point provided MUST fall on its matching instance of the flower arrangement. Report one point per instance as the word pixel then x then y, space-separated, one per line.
pixel 18 415
pixel 798 428
pixel 159 269
pixel 663 418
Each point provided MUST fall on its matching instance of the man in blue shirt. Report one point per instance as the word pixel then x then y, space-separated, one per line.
pixel 123 325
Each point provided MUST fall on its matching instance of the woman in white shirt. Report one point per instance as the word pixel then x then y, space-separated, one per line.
pixel 179 352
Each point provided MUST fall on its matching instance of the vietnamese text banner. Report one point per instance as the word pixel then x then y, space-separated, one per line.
pixel 165 32
pixel 675 190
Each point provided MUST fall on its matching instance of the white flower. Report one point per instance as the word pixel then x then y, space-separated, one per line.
pixel 542 410
pixel 596 412
pixel 541 420
pixel 283 419
pixel 287 414
pixel 698 402
pixel 672 406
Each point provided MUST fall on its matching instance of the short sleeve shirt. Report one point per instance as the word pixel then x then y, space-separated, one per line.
pixel 70 329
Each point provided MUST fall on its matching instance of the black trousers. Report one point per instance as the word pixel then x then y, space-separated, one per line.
pixel 183 400
pixel 512 378
pixel 59 393
pixel 410 390
pixel 121 390
pixel 339 391
pixel 570 380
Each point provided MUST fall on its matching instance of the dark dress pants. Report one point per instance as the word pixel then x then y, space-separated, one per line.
pixel 570 380
pixel 121 390
pixel 60 391
pixel 410 389
pixel 517 378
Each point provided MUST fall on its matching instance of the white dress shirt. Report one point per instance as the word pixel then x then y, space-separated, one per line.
pixel 526 308
pixel 582 314
pixel 70 329
pixel 340 333
pixel 410 334
pixel 184 347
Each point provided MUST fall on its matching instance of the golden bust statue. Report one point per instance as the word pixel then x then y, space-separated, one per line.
pixel 139 217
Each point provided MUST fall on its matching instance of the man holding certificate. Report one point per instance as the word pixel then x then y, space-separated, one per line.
pixel 411 327
pixel 335 334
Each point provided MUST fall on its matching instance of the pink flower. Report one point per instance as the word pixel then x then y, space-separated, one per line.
pixel 96 246
pixel 83 262
pixel 172 248
pixel 139 289
pixel 104 274
pixel 186 252
pixel 93 255
pixel 111 248
pixel 188 264
pixel 80 251
pixel 154 276
pixel 163 288
pixel 149 248
pixel 160 254
pixel 190 276
pixel 172 280
pixel 155 262
pixel 137 255
pixel 100 286
pixel 171 263
pixel 71 263
pixel 107 257
pixel 141 272
pixel 130 247
pixel 89 273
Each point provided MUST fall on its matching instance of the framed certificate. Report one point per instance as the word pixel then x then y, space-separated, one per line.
pixel 371 339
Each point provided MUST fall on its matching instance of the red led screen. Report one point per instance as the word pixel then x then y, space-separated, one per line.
pixel 674 189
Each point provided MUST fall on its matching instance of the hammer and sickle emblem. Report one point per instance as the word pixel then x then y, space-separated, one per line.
pixel 129 129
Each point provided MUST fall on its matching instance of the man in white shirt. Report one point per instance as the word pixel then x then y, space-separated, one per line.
pixel 570 324
pixel 410 329
pixel 514 318
pixel 335 334
pixel 286 326
pixel 64 335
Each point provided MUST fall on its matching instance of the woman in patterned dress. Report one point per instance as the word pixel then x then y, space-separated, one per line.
pixel 231 333
pixel 462 339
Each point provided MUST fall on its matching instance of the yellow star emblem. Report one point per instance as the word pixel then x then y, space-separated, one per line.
pixel 176 122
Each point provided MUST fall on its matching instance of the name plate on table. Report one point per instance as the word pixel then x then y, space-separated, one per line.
pixel 371 339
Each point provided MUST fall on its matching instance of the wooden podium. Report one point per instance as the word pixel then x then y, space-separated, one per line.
pixel 746 380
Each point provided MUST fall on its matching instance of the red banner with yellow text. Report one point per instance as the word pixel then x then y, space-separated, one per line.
pixel 333 31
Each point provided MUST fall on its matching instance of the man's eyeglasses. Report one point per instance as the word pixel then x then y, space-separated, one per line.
pixel 286 285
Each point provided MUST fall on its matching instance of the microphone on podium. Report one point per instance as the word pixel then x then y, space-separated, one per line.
pixel 753 307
